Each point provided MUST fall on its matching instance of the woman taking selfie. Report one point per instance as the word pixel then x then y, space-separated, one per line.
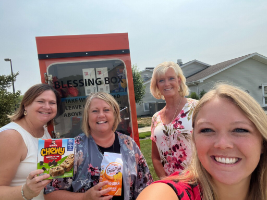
pixel 19 144
pixel 229 152
pixel 171 127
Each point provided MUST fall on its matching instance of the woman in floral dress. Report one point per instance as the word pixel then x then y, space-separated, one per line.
pixel 171 127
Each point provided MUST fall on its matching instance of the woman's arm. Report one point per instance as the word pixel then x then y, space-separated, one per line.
pixel 93 193
pixel 12 151
pixel 158 191
pixel 154 151
pixel 157 162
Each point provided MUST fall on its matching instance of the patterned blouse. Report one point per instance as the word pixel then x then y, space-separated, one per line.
pixel 173 140
pixel 87 165
pixel 184 191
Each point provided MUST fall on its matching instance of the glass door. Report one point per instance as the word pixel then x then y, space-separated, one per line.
pixel 76 80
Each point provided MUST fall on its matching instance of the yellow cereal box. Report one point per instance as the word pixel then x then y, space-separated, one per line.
pixel 111 171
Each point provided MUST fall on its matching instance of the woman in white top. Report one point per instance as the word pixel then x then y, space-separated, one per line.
pixel 19 144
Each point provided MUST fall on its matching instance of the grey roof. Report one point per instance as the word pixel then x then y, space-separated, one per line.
pixel 215 68
pixel 192 61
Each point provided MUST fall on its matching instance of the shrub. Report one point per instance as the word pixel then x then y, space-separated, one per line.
pixel 194 95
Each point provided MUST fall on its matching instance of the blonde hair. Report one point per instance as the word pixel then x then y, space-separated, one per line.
pixel 161 70
pixel 254 112
pixel 29 96
pixel 110 101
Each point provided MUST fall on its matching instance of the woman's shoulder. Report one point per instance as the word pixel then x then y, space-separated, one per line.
pixel 156 117
pixel 12 129
pixel 122 136
pixel 157 191
pixel 127 141
pixel 182 189
pixel 191 101
pixel 176 183
pixel 9 133
pixel 11 125
pixel 81 138
pixel 81 135
pixel 157 113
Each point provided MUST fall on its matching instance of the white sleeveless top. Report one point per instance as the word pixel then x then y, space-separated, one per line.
pixel 29 164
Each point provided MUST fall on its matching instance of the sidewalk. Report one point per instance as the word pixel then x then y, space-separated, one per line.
pixel 144 129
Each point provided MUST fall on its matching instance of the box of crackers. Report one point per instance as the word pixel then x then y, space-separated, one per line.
pixel 56 157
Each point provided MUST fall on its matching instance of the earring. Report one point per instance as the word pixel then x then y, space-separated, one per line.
pixel 25 112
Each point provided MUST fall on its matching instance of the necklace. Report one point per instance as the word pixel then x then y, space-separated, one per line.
pixel 168 139
pixel 32 132
pixel 175 111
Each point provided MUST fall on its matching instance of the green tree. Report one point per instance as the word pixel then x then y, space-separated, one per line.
pixel 139 87
pixel 20 98
pixel 193 95
pixel 8 100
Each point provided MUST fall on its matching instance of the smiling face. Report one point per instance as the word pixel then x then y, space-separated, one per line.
pixel 43 108
pixel 228 144
pixel 168 83
pixel 101 117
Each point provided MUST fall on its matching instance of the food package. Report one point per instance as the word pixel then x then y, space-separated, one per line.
pixel 111 171
pixel 56 157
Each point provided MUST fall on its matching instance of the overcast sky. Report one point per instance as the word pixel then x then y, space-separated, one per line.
pixel 210 31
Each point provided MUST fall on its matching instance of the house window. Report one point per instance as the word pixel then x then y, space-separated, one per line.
pixel 264 94
pixel 146 107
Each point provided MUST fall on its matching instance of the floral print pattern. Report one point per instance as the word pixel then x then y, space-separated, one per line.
pixel 184 191
pixel 174 140
pixel 87 165
pixel 93 170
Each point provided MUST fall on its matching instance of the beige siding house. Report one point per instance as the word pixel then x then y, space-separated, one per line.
pixel 144 109
pixel 248 72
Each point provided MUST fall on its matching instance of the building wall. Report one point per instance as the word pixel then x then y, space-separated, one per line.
pixel 148 98
pixel 249 75
pixel 193 88
pixel 146 75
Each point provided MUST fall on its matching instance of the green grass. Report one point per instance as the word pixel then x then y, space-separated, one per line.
pixel 141 125
pixel 145 146
pixel 143 135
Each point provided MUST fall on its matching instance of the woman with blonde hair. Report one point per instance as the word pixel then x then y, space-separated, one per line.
pixel 100 120
pixel 171 127
pixel 229 151
pixel 19 144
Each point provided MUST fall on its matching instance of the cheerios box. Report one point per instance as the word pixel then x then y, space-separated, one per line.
pixel 56 157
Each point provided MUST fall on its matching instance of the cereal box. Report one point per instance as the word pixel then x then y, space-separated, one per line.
pixel 111 171
pixel 56 157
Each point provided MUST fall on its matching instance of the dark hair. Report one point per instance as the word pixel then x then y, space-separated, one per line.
pixel 29 97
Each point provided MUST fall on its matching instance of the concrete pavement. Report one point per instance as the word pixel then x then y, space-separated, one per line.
pixel 144 129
